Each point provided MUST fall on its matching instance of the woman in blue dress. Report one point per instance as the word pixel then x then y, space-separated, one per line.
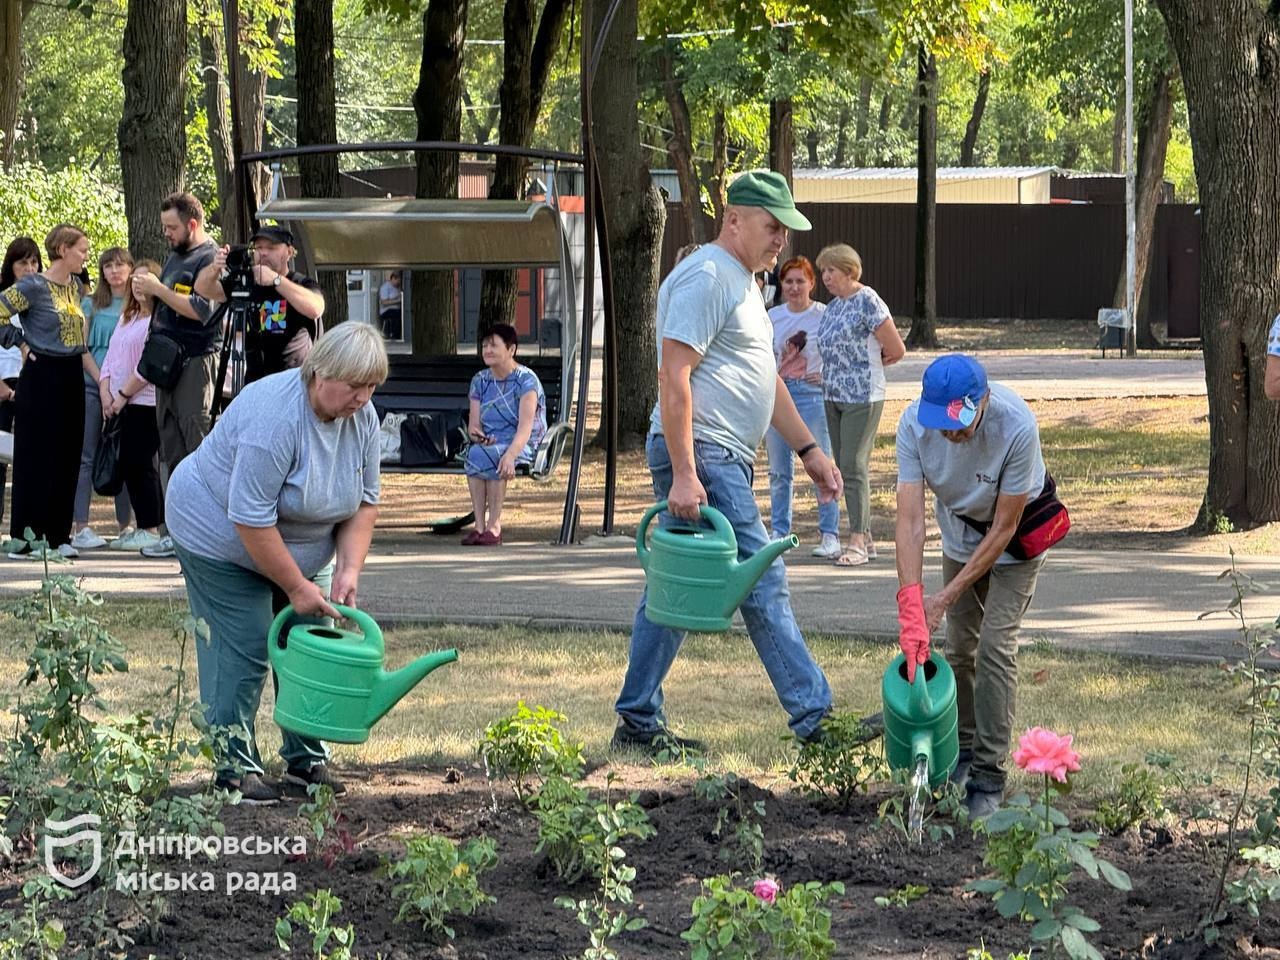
pixel 507 422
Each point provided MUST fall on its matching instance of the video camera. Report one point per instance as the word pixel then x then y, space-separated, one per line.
pixel 240 261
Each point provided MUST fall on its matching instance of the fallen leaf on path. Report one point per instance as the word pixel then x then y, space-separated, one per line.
pixel 1041 676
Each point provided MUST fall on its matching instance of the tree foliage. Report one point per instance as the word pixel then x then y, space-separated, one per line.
pixel 33 200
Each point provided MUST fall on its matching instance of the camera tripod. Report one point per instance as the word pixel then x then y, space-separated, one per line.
pixel 234 344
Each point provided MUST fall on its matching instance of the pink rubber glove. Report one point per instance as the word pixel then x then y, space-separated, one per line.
pixel 913 628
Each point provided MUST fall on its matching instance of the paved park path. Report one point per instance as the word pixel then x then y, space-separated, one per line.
pixel 1128 602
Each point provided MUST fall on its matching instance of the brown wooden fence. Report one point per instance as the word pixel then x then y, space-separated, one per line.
pixel 1043 261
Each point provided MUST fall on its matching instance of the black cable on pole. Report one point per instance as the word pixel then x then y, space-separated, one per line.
pixel 568 521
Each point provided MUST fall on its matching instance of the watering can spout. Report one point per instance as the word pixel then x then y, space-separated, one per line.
pixel 390 688
pixel 747 572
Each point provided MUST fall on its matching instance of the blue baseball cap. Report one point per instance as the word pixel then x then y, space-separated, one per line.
pixel 954 386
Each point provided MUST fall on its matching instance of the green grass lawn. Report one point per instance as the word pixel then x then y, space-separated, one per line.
pixel 1118 709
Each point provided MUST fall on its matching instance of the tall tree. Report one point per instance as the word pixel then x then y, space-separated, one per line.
pixel 213 71
pixel 526 63
pixel 12 13
pixel 924 319
pixel 975 119
pixel 635 217
pixel 318 123
pixel 680 147
pixel 152 131
pixel 437 102
pixel 256 36
pixel 1155 123
pixel 1229 55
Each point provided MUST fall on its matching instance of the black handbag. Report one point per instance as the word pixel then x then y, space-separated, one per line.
pixel 162 360
pixel 431 439
pixel 108 478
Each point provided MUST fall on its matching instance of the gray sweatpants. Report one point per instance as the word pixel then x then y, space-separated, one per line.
pixel 982 649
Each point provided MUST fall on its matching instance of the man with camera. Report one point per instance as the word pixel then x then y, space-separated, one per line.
pixel 283 306
pixel 186 336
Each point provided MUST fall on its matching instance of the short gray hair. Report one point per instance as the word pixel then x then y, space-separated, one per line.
pixel 352 352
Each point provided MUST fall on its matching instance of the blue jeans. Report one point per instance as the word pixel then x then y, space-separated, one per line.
pixel 800 684
pixel 808 401
pixel 239 605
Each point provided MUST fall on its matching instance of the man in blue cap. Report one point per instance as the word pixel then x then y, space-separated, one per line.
pixel 718 391
pixel 977 447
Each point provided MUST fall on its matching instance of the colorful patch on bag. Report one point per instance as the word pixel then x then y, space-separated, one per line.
pixel 271 317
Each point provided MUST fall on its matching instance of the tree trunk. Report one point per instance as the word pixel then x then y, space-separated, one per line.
pixel 811 141
pixel 318 123
pixel 717 182
pixel 526 65
pixel 11 16
pixel 482 121
pixel 251 92
pixel 842 137
pixel 635 216
pixel 924 321
pixel 213 62
pixel 1117 135
pixel 152 130
pixel 782 136
pixel 1229 55
pixel 680 150
pixel 862 123
pixel 1155 125
pixel 437 102
pixel 975 119
pixel 886 110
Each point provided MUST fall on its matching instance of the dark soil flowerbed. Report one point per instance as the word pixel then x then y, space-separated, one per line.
pixel 1172 880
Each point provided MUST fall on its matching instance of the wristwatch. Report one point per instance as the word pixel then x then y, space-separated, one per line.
pixel 276 281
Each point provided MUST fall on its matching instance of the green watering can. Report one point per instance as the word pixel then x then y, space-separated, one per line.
pixel 332 685
pixel 695 580
pixel 920 719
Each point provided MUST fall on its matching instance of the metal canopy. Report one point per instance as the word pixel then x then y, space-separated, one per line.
pixel 351 233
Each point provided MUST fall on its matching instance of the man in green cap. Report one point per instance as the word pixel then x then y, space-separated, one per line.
pixel 718 391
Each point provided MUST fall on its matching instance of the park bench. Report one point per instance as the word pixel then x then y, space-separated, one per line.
pixel 439 385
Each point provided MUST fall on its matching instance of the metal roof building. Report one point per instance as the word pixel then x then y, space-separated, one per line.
pixel 1015 185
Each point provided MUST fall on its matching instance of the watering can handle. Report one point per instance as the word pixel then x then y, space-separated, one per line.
pixel 366 623
pixel 719 522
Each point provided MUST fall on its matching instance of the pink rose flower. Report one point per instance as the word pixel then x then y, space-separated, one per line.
pixel 767 890
pixel 1043 751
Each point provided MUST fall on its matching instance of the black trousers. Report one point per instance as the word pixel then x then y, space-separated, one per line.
pixel 48 435
pixel 6 423
pixel 139 442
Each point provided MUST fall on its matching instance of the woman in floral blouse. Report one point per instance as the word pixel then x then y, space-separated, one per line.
pixel 857 339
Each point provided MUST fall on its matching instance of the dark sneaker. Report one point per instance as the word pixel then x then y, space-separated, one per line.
pixel 981 803
pixel 653 742
pixel 254 791
pixel 960 775
pixel 298 779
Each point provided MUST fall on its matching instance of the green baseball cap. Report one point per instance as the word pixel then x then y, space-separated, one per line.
pixel 768 189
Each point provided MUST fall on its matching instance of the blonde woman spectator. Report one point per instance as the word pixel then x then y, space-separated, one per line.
pixel 857 340
pixel 102 311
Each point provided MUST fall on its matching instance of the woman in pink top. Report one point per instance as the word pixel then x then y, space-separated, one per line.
pixel 128 396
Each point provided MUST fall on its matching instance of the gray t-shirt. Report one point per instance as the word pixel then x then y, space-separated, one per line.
pixel 1003 456
pixel 179 274
pixel 270 461
pixel 711 302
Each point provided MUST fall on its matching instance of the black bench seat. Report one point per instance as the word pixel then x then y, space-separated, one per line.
pixel 440 384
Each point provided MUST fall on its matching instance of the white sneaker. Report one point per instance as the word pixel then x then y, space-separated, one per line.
pixel 144 540
pixel 126 541
pixel 164 548
pixel 67 551
pixel 871 548
pixel 86 539
pixel 828 549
